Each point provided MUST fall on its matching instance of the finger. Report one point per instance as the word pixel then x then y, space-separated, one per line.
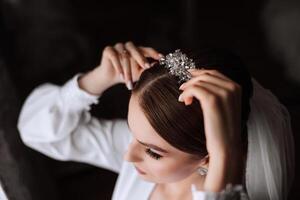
pixel 119 47
pixel 136 69
pixel 150 52
pixel 113 56
pixel 230 85
pixel 209 78
pixel 214 72
pixel 196 91
pixel 220 92
pixel 127 69
pixel 137 55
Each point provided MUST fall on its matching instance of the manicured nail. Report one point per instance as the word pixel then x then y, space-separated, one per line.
pixel 129 85
pixel 180 98
pixel 147 65
pixel 160 55
pixel 182 86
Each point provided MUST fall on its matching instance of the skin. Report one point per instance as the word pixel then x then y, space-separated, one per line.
pixel 175 169
pixel 220 100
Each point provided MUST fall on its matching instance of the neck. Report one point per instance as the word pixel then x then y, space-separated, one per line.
pixel 184 185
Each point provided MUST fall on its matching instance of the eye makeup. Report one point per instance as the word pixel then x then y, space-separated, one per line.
pixel 152 154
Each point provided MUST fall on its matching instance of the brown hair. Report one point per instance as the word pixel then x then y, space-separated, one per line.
pixel 182 126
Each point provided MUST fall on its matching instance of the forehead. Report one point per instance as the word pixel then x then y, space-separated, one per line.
pixel 141 127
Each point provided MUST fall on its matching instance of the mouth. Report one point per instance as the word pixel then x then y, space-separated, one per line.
pixel 140 171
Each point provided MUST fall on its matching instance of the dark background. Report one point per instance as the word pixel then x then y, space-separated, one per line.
pixel 51 40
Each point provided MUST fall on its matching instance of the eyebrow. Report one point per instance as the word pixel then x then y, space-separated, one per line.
pixel 152 146
pixel 149 145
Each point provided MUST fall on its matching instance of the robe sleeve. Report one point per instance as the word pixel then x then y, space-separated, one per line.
pixel 235 192
pixel 55 120
pixel 2 193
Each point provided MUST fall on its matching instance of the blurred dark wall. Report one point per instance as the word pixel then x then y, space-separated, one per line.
pixel 281 24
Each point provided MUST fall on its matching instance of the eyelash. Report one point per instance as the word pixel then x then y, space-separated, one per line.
pixel 152 154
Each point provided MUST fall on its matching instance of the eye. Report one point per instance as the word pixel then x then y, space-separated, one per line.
pixel 152 154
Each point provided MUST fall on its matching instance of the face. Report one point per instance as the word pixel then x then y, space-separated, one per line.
pixel 150 153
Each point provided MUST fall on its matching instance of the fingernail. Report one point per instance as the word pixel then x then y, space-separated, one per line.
pixel 152 64
pixel 129 85
pixel 147 65
pixel 160 55
pixel 180 98
pixel 182 86
pixel 122 76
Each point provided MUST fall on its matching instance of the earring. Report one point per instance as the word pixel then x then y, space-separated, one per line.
pixel 202 171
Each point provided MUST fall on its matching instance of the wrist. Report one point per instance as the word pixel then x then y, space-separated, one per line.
pixel 94 82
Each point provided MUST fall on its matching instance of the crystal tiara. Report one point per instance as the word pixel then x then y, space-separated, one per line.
pixel 178 64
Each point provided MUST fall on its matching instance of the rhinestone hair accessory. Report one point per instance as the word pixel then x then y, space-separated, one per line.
pixel 178 64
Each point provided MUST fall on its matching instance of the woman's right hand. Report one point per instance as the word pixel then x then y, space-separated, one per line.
pixel 121 63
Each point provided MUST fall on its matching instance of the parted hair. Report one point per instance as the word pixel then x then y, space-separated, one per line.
pixel 180 125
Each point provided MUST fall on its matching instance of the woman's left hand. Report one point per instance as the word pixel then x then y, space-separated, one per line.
pixel 220 100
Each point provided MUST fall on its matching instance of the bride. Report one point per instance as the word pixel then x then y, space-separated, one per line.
pixel 196 129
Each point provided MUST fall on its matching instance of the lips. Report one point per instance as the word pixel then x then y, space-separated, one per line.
pixel 140 171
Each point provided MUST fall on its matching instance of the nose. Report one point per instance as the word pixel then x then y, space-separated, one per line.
pixel 133 152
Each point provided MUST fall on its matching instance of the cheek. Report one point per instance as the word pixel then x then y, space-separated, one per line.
pixel 170 170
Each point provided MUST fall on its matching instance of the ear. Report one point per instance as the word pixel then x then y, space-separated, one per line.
pixel 204 161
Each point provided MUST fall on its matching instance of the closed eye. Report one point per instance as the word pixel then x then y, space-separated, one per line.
pixel 153 154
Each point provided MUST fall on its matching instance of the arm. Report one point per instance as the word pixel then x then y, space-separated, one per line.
pixel 220 100
pixel 56 121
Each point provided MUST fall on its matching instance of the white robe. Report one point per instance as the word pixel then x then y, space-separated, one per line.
pixel 56 121
pixel 2 193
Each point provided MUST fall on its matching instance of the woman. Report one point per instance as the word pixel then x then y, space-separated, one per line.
pixel 186 141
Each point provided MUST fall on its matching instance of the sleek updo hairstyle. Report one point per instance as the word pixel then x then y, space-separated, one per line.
pixel 183 126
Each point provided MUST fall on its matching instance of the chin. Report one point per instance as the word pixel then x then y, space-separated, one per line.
pixel 145 178
pixel 160 179
pixel 149 179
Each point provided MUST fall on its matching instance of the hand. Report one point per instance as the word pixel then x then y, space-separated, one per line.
pixel 220 100
pixel 121 63
pixel 126 62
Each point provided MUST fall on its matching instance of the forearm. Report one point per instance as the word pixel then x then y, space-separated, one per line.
pixel 224 168
pixel 95 82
